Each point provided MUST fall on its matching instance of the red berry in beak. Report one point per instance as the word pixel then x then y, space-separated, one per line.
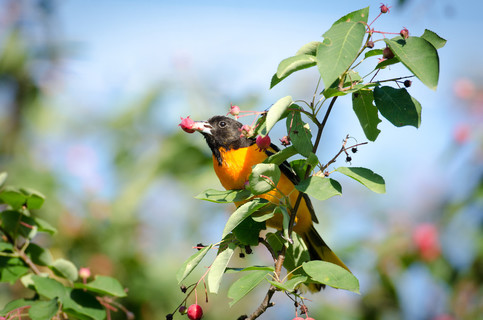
pixel 195 312
pixel 187 124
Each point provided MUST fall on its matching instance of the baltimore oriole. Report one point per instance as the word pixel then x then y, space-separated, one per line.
pixel 234 155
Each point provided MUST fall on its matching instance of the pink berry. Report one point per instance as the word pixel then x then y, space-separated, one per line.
pixel 263 142
pixel 234 111
pixel 384 8
pixel 187 124
pixel 195 312
pixel 298 318
pixel 404 33
pixel 426 239
pixel 84 273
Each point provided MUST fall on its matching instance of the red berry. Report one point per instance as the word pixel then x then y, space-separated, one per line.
pixel 195 312
pixel 404 33
pixel 426 239
pixel 370 44
pixel 263 142
pixel 387 53
pixel 187 124
pixel 384 8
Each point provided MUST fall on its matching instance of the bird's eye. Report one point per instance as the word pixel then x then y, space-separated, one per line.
pixel 222 124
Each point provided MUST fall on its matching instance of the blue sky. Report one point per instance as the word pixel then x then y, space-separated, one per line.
pixel 121 48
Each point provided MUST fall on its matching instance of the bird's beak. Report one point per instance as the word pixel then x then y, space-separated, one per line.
pixel 202 127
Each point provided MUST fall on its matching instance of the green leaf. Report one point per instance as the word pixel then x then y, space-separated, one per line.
pixel 291 65
pixel 218 267
pixel 5 246
pixel 434 39
pixel 299 166
pixel 367 177
pixel 373 52
pixel 241 213
pixel 44 226
pixel 191 263
pixel 3 178
pixel 357 16
pixel 104 285
pixel 296 253
pixel 44 310
pixel 309 48
pixel 78 303
pixel 39 255
pixel 366 112
pixel 50 288
pixel 290 285
pixel 331 275
pixel 11 269
pixel 276 112
pixel 350 85
pixel 334 91
pixel 83 305
pixel 387 62
pixel 251 268
pixel 15 304
pixel 35 199
pixel 65 269
pixel 320 188
pixel 312 160
pixel 225 196
pixel 264 177
pixel 16 223
pixel 13 197
pixel 285 219
pixel 279 157
pixel 419 56
pixel 245 284
pixel 263 217
pixel 340 47
pixel 248 231
pixel 398 106
pixel 299 133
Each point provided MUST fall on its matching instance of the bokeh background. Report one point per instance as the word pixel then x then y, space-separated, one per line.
pixel 91 93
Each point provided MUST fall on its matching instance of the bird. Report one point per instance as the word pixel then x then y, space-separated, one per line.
pixel 234 155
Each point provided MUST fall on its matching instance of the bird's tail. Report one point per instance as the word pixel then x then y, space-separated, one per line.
pixel 319 250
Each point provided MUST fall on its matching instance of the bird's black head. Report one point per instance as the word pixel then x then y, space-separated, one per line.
pixel 222 132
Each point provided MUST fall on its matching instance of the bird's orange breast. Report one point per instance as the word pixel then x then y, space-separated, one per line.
pixel 235 171
pixel 237 166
